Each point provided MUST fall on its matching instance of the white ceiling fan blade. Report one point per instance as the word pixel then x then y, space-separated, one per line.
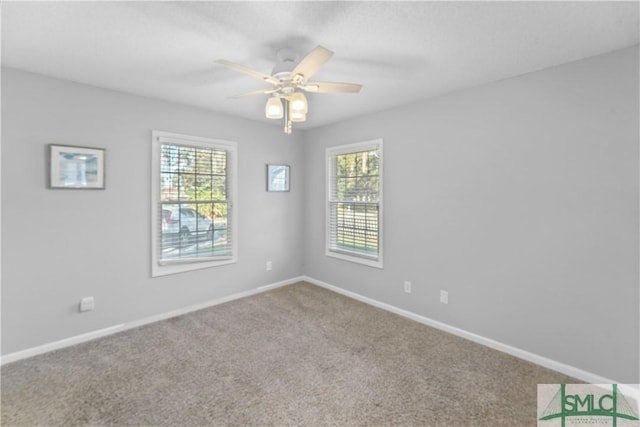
pixel 248 71
pixel 327 87
pixel 311 63
pixel 256 92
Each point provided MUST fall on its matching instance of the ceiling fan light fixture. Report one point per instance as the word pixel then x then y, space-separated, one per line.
pixel 298 103
pixel 273 109
pixel 297 117
pixel 289 80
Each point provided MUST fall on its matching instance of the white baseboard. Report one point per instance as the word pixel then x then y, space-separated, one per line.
pixel 496 345
pixel 45 348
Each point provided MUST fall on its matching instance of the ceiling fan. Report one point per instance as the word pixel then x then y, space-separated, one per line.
pixel 289 80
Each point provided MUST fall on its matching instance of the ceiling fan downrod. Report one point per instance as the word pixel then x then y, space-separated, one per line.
pixel 287 123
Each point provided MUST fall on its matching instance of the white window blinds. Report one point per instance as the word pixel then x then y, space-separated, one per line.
pixel 354 202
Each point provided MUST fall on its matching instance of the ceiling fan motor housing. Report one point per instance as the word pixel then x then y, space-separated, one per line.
pixel 287 61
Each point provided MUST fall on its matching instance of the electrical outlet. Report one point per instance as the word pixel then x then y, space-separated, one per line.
pixel 87 304
pixel 269 266
pixel 444 297
pixel 407 286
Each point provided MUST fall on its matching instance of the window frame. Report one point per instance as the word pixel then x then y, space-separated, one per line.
pixel 330 154
pixel 159 268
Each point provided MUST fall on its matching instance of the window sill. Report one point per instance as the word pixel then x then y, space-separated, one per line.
pixel 369 262
pixel 181 267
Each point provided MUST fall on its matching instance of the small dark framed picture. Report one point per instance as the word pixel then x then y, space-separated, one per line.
pixel 76 167
pixel 278 178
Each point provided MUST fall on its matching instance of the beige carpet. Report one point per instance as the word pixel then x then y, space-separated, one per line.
pixel 297 355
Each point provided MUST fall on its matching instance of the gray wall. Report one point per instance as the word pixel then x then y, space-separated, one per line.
pixel 520 198
pixel 61 245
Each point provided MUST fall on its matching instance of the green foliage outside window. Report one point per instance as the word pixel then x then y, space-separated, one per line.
pixel 199 176
pixel 355 209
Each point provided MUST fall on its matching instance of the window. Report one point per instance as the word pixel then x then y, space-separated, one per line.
pixel 192 212
pixel 354 202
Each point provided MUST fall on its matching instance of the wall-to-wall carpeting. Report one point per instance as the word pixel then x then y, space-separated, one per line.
pixel 297 355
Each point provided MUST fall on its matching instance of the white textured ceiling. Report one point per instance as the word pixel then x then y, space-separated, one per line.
pixel 399 51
